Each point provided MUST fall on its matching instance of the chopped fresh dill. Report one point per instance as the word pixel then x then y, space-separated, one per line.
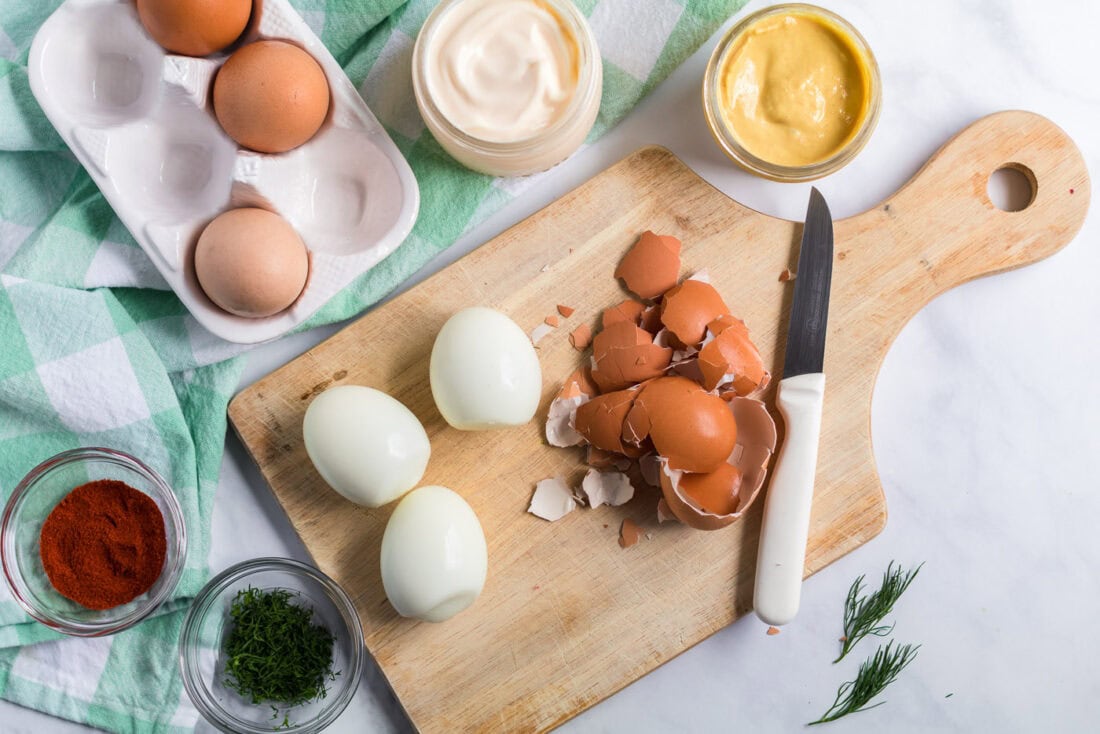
pixel 274 651
pixel 863 614
pixel 875 673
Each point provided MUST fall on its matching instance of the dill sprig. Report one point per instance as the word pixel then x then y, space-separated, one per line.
pixel 863 614
pixel 875 673
pixel 274 651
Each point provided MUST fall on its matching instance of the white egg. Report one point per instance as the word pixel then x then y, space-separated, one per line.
pixel 434 557
pixel 484 371
pixel 368 446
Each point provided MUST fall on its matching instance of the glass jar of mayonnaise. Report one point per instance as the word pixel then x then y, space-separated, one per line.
pixel 507 87
pixel 792 92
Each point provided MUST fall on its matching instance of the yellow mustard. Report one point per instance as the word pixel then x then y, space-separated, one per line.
pixel 794 89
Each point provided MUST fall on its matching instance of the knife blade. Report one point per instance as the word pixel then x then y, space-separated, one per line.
pixel 800 396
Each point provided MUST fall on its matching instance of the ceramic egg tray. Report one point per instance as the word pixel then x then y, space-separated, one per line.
pixel 141 122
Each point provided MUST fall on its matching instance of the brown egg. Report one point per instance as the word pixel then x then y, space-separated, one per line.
pixel 271 96
pixel 732 358
pixel 716 499
pixel 194 27
pixel 624 354
pixel 688 308
pixel 693 429
pixel 251 262
pixel 600 421
pixel 651 266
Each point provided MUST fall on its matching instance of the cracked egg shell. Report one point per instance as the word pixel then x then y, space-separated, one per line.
pixel 716 499
pixel 688 308
pixel 756 439
pixel 693 429
pixel 606 460
pixel 600 420
pixel 731 358
pixel 579 383
pixel 624 354
pixel 703 501
pixel 651 266
pixel 629 310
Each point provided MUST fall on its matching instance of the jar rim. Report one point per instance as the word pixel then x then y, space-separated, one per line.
pixel 733 148
pixel 588 77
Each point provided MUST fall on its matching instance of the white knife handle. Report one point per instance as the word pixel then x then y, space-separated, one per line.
pixel 786 524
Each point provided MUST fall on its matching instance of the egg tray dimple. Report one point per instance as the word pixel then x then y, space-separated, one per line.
pixel 140 121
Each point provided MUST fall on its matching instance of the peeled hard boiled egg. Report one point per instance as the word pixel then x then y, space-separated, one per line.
pixel 368 446
pixel 484 371
pixel 434 557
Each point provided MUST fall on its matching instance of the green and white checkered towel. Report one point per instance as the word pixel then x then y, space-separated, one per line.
pixel 95 351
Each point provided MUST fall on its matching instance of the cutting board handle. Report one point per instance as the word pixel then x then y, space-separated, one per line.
pixel 943 225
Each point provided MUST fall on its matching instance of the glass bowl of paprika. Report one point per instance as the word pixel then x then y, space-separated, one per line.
pixel 92 541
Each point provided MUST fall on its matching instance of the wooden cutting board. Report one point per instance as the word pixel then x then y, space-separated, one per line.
pixel 568 617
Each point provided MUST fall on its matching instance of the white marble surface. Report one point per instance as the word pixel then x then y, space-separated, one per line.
pixel 985 421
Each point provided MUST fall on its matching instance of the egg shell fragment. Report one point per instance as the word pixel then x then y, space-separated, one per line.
pixel 687 496
pixel 539 333
pixel 365 444
pixel 579 383
pixel 629 533
pixel 629 310
pixel 690 427
pixel 651 266
pixel 688 308
pixel 561 419
pixel 606 460
pixel 484 372
pixel 600 421
pixel 581 337
pixel 730 358
pixel 434 558
pixel 624 355
pixel 552 500
pixel 607 488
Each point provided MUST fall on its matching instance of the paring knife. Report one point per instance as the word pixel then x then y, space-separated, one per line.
pixel 800 395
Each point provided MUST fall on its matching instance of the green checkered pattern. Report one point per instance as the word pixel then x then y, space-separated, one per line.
pixel 95 351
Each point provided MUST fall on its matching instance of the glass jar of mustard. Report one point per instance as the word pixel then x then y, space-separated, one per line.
pixel 507 87
pixel 792 92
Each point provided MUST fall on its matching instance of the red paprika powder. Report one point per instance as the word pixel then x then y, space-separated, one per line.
pixel 104 544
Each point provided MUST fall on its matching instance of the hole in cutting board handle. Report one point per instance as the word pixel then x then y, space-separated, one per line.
pixel 1012 187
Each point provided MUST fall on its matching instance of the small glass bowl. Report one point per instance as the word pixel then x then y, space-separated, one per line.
pixel 727 139
pixel 522 157
pixel 29 506
pixel 203 663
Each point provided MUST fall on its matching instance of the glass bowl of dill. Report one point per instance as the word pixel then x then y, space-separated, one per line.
pixel 271 644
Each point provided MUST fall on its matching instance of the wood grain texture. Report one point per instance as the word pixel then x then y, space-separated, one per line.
pixel 567 617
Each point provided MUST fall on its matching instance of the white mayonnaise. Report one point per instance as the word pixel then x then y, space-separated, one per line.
pixel 502 70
